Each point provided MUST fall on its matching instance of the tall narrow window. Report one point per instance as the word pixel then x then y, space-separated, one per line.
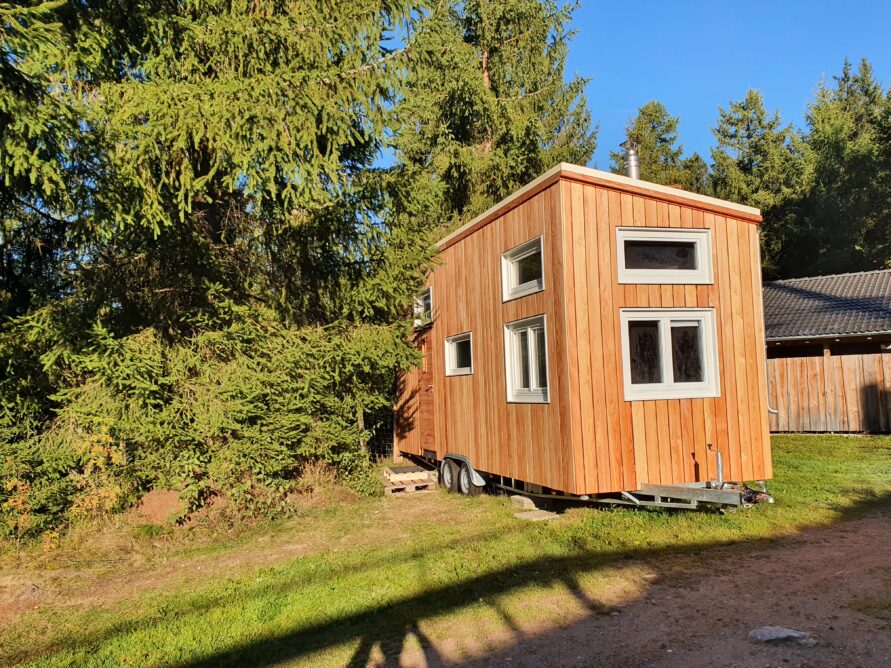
pixel 423 308
pixel 643 341
pixel 526 360
pixel 663 255
pixel 669 354
pixel 459 355
pixel 522 270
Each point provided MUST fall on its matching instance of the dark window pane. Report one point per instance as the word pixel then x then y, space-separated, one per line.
pixel 463 358
pixel 542 351
pixel 660 254
pixel 523 351
pixel 529 268
pixel 643 341
pixel 686 353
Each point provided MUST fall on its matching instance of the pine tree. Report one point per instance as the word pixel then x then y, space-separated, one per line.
pixel 761 162
pixel 236 291
pixel 847 211
pixel 655 132
pixel 34 127
pixel 486 108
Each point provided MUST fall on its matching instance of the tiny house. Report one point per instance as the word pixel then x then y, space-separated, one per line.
pixel 592 334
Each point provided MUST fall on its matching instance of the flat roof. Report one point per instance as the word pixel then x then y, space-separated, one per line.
pixel 570 172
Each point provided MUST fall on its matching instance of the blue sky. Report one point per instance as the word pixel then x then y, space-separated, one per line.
pixel 697 56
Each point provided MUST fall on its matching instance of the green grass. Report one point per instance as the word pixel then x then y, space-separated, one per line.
pixel 440 568
pixel 876 606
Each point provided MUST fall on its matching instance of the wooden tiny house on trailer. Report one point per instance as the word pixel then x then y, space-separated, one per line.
pixel 594 334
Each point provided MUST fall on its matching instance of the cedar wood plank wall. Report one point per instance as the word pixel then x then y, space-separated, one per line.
pixel 588 439
pixel 841 393
pixel 623 444
pixel 473 418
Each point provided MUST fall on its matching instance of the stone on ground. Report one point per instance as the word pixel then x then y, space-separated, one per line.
pixel 522 502
pixel 535 515
pixel 780 634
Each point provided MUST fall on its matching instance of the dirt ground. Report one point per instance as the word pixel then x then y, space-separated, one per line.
pixel 692 610
pixel 702 617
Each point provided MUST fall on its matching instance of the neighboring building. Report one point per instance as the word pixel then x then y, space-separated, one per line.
pixel 829 352
pixel 593 334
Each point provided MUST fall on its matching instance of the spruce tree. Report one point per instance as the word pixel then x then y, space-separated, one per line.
pixel 761 162
pixel 34 128
pixel 655 132
pixel 239 270
pixel 847 210
pixel 486 107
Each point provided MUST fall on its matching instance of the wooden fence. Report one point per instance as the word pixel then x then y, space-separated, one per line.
pixel 843 393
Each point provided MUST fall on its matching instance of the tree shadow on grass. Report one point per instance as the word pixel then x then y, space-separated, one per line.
pixel 388 627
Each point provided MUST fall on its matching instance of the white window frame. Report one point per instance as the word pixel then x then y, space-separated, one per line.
pixel 422 317
pixel 538 394
pixel 510 288
pixel 451 357
pixel 668 389
pixel 701 238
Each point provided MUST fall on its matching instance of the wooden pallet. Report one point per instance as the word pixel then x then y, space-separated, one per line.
pixel 409 486
pixel 405 473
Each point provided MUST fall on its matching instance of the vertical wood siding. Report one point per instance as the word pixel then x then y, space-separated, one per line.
pixel 626 443
pixel 844 393
pixel 531 442
pixel 588 439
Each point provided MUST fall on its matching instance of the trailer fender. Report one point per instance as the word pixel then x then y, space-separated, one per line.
pixel 475 477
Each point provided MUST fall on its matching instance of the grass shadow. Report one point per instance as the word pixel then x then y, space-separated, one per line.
pixel 389 626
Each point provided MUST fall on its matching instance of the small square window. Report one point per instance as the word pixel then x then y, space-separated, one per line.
pixel 669 354
pixel 664 256
pixel 522 270
pixel 459 355
pixel 526 359
pixel 423 308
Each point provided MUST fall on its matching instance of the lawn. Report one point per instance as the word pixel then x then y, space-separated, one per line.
pixel 352 581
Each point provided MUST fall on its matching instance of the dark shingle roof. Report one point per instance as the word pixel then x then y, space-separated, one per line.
pixel 838 305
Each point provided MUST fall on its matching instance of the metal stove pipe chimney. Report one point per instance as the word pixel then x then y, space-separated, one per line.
pixel 632 159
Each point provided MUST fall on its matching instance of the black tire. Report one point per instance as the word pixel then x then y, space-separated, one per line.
pixel 465 482
pixel 448 475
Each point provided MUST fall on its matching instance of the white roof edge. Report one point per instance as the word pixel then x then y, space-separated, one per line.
pixel 569 170
pixel 667 190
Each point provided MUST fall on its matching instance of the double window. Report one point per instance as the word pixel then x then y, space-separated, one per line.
pixel 664 256
pixel 459 354
pixel 526 360
pixel 522 270
pixel 669 354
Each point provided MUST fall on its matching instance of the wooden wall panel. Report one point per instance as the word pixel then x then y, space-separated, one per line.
pixel 847 393
pixel 666 441
pixel 531 442
pixel 588 439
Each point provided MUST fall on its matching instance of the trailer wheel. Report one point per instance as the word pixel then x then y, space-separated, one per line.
pixel 448 475
pixel 465 482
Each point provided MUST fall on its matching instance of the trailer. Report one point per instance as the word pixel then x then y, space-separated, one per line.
pixel 597 337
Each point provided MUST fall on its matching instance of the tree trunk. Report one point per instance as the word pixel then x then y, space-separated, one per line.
pixel 487 82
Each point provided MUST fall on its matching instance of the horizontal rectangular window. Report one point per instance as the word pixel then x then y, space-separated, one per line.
pixel 664 256
pixel 526 360
pixel 669 353
pixel 522 270
pixel 459 355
